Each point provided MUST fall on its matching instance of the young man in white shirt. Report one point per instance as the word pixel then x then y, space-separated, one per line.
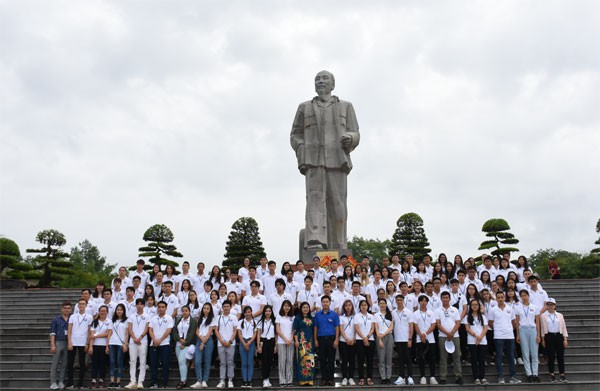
pixel 255 300
pixel 137 287
pixel 291 286
pixel 160 350
pixel 472 278
pixel 340 295
pixel 537 295
pixel 502 321
pixel 225 332
pixel 410 301
pixel 333 269
pixel 233 285
pixel 395 263
pixel 200 278
pixel 448 323
pixel 373 287
pixel 434 300
pixel 246 288
pixel 279 296
pixel 424 323
pixel 108 302
pixel 355 296
pixel 411 260
pixel 129 301
pixel 403 335
pixel 333 304
pixel 139 271
pixel 125 281
pixel 185 275
pixel 428 267
pixel 308 294
pixel 137 329
pixel 300 273
pixel 77 340
pixel 171 299
pixel 319 274
pixel 263 268
pixel 90 307
pixel 118 291
pixel 269 279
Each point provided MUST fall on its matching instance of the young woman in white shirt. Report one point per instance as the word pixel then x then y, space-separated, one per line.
pixel 184 292
pixel 194 304
pixel 150 308
pixel 214 302
pixel 390 296
pixel 477 327
pixel 285 343
pixel 384 329
pixel 207 321
pixel 236 309
pixel 528 335
pixel 485 279
pixel 347 343
pixel 554 339
pixel 265 341
pixel 247 330
pixel 98 348
pixel 364 326
pixel 184 335
pixel 117 340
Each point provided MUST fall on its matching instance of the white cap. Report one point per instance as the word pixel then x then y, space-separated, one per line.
pixel 449 345
pixel 551 300
pixel 189 354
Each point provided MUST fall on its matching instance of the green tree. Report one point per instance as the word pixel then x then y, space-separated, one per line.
pixel 159 238
pixel 409 237
pixel 375 249
pixel 52 265
pixel 597 249
pixel 11 264
pixel 244 241
pixel 572 265
pixel 497 230
pixel 89 266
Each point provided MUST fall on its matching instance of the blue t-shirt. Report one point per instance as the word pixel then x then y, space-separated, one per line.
pixel 326 323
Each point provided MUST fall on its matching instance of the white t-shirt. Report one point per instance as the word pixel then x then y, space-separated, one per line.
pixel 101 328
pixel 364 323
pixel 261 273
pixel 118 296
pixel 138 325
pixel 172 303
pixel 243 274
pixel 119 329
pixel 356 302
pixel 477 327
pixel 204 326
pixel 80 328
pixel 526 314
pixel 402 321
pixel 371 291
pixel 276 301
pixel 255 302
pixel 269 284
pixel 310 297
pixel 248 327
pixel 226 326
pixel 285 327
pixel 144 277
pixel 292 289
pixel 299 277
pixel 183 329
pixel 448 318
pixel 129 307
pixel 248 289
pixel 267 329
pixel 382 323
pixel 125 282
pixel 183 298
pixel 111 309
pixel 347 324
pixel 502 322
pixel 538 298
pixel 234 287
pixel 203 297
pixel 424 320
pixel 150 312
pixel 159 326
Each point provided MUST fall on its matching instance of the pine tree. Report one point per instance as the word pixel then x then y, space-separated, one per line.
pixel 244 241
pixel 52 265
pixel 409 237
pixel 159 237
pixel 597 249
pixel 11 264
pixel 497 229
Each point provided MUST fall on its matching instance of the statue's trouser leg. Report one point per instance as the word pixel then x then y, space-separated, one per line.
pixel 316 213
pixel 337 210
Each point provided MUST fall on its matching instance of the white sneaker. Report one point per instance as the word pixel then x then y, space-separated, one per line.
pixel 196 385
pixel 204 385
pixel 54 386
pixel 230 385
pixel 410 381
pixel 61 385
pixel 131 385
pixel 221 384
pixel 344 382
pixel 520 361
pixel 423 380
pixel 351 382
pixel 140 386
pixel 432 380
pixel 399 381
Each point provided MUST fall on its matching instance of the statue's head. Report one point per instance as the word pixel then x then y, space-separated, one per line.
pixel 324 82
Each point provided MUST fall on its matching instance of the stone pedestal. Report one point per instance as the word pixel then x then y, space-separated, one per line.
pixel 307 255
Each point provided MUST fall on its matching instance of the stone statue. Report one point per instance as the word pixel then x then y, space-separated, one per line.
pixel 324 132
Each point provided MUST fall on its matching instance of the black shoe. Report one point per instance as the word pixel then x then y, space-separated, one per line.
pixel 442 381
pixel 459 380
pixel 537 379
pixel 323 383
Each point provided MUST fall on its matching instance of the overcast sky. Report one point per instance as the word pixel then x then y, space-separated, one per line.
pixel 115 116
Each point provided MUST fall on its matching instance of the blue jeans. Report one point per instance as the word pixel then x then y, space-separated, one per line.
pixel 163 354
pixel 202 359
pixel 529 350
pixel 500 344
pixel 116 361
pixel 247 361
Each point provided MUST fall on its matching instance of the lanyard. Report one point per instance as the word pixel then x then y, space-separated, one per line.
pixel 161 321
pixel 116 328
pixel 350 320
pixel 365 319
pixel 307 295
pixel 185 296
pixel 100 327
pixel 552 319
pixel 266 335
pixel 81 320
pixel 383 320
pixel 137 319
pixel 526 311
pixel 424 317
pixel 225 323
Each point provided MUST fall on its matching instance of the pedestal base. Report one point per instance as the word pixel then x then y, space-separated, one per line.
pixel 307 254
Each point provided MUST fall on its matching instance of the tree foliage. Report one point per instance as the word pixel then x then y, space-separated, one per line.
pixel 375 249
pixel 159 238
pixel 572 265
pixel 501 239
pixel 597 242
pixel 409 237
pixel 11 264
pixel 89 266
pixel 52 264
pixel 244 241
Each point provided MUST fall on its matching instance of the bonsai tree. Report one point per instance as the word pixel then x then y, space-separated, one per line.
pixel 409 237
pixel 501 239
pixel 11 264
pixel 244 241
pixel 51 265
pixel 597 249
pixel 159 238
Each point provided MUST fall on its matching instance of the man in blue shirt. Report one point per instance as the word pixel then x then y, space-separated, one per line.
pixel 327 334
pixel 58 346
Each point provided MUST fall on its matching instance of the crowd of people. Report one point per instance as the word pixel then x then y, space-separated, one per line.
pixel 424 311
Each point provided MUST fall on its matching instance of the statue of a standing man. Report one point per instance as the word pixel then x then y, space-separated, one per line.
pixel 324 132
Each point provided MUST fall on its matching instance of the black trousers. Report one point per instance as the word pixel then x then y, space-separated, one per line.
pixel 99 361
pixel 426 354
pixel 555 348
pixel 266 362
pixel 326 357
pixel 365 353
pixel 478 360
pixel 348 355
pixel 80 350
pixel 464 349
pixel 404 359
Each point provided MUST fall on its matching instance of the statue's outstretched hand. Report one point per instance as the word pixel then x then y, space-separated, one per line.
pixel 346 141
pixel 303 168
